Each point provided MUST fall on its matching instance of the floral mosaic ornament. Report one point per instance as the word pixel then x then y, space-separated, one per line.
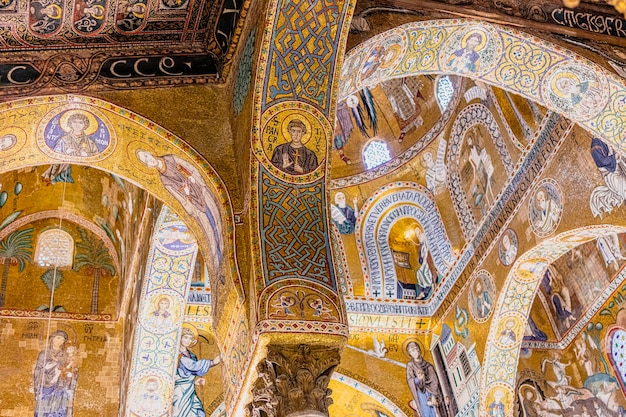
pixel 165 288
pixel 382 58
pixel 470 51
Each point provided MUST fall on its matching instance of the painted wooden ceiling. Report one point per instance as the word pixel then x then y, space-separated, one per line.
pixel 76 44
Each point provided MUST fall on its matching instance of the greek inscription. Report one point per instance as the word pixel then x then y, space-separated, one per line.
pixel 606 25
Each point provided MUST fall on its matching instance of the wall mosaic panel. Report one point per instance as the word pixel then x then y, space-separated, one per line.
pixel 118 141
pixel 293 225
pixel 409 200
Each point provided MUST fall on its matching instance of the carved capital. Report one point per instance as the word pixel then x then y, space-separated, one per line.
pixel 293 381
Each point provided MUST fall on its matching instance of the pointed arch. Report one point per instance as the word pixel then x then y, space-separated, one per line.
pixel 513 307
pixel 37 128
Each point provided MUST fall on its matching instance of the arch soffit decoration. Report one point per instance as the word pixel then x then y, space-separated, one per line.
pixel 507 58
pixel 514 304
pixel 125 132
pixel 472 115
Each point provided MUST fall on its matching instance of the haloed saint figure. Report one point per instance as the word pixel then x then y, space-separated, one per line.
pixel 189 374
pixel 55 376
pixel 294 157
pixel 424 385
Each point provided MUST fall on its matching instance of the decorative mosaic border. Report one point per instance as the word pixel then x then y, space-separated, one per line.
pixel 127 124
pixel 511 60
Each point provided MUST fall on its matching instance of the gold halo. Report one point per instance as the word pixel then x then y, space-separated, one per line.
pixel 298 116
pixel 89 130
pixel 20 141
pixel 193 330
pixel 482 43
pixel 58 12
pixel 131 152
pixel 560 76
pixel 141 14
pixel 525 388
pixel 101 15
pixel 405 346
pixel 394 50
pixel 158 298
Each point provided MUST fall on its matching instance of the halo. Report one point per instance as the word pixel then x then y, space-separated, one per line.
pixel 482 43
pixel 423 163
pixel 524 388
pixel 560 75
pixel 89 130
pixel 141 14
pixel 393 51
pixel 20 137
pixel 69 330
pixel 131 152
pixel 158 298
pixel 405 344
pixel 99 16
pixel 193 330
pixel 58 12
pixel 296 116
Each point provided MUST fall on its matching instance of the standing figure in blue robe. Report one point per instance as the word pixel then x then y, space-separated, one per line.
pixel 186 400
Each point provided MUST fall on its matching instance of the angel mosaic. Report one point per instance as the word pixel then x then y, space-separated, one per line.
pixel 612 166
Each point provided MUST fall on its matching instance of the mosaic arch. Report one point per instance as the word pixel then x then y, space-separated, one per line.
pixel 386 206
pixel 170 265
pixel 513 307
pixel 506 58
pixel 83 130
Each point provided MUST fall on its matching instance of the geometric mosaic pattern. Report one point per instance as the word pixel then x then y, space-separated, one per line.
pixel 294 243
pixel 302 55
